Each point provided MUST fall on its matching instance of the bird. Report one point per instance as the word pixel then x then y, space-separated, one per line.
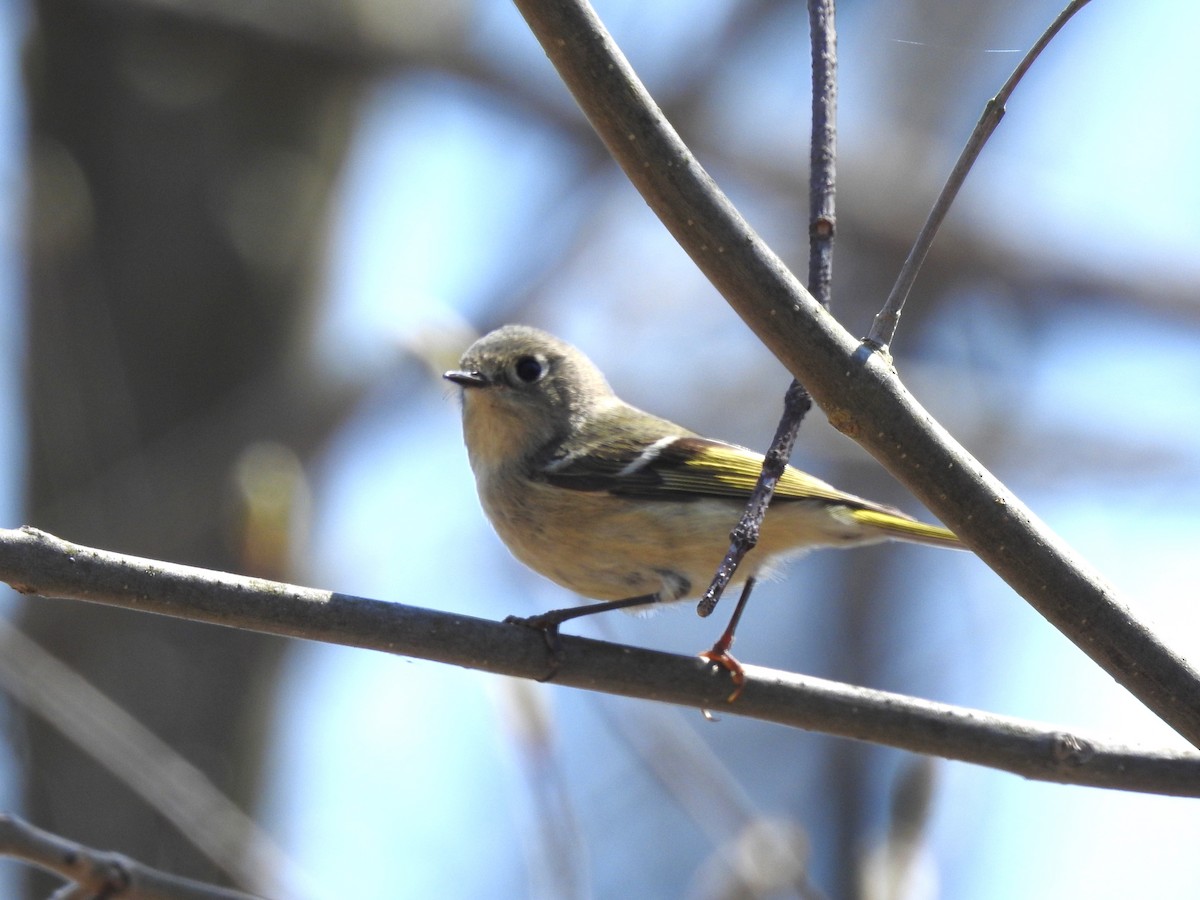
pixel 625 507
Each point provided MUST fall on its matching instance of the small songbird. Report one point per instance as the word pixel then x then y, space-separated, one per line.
pixel 620 505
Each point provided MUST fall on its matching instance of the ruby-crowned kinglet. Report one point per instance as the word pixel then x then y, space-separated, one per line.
pixel 615 503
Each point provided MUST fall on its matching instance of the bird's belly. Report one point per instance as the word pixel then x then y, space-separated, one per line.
pixel 607 547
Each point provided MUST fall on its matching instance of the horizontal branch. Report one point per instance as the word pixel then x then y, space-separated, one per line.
pixel 857 389
pixel 34 562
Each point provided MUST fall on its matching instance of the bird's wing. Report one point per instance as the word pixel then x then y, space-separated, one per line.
pixel 688 467
pixel 680 467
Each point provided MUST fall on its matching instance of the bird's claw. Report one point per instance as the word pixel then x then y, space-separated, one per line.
pixel 723 658
pixel 549 629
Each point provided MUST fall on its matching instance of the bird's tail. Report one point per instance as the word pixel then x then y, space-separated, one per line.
pixel 902 528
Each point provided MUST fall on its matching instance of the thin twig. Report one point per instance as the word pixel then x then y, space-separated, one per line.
pixel 95 873
pixel 181 793
pixel 883 329
pixel 822 183
pixel 38 563
pixel 796 404
pixel 822 180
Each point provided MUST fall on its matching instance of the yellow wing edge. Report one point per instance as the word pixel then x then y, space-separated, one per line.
pixel 738 469
pixel 907 529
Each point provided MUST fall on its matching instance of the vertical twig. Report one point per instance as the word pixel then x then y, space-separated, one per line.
pixel 796 401
pixel 883 329
pixel 823 151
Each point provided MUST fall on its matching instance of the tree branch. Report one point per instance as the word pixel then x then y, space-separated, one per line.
pixel 858 389
pixel 97 874
pixel 883 329
pixel 822 163
pixel 154 770
pixel 34 562
pixel 821 219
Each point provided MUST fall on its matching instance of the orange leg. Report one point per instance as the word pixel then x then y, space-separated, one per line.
pixel 719 653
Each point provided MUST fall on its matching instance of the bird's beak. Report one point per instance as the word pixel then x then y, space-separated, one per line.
pixel 467 379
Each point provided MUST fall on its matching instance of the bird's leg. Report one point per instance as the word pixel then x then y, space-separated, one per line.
pixel 549 622
pixel 719 653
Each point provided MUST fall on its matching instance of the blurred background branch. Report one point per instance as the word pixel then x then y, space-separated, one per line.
pixel 147 765
pixel 93 873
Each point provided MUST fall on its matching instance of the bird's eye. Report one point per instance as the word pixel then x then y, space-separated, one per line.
pixel 529 369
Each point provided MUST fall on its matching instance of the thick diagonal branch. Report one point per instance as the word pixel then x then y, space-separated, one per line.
pixel 857 388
